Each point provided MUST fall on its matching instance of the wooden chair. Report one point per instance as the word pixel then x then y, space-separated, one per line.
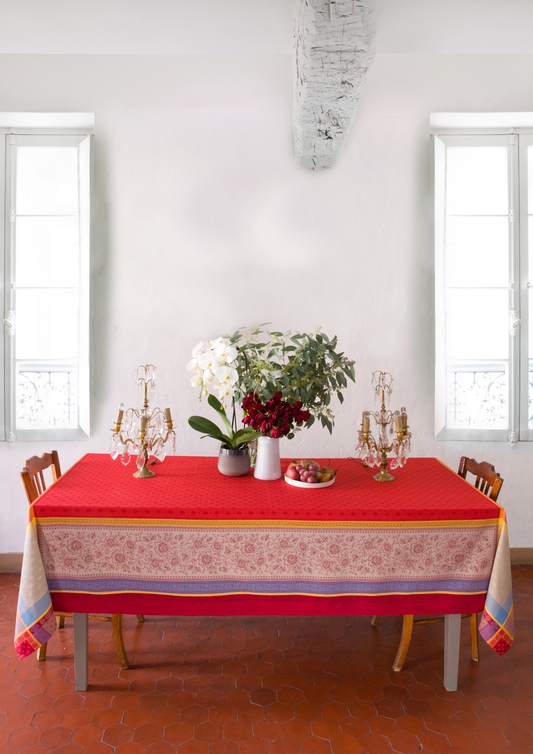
pixel 35 484
pixel 489 482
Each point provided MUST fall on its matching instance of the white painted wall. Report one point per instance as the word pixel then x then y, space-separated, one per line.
pixel 203 224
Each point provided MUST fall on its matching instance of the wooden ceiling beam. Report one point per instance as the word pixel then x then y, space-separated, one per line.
pixel 334 47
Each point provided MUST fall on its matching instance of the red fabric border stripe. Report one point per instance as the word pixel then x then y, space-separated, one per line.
pixel 250 604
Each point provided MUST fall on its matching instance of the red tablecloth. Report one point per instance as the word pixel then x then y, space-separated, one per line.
pixel 192 488
pixel 428 512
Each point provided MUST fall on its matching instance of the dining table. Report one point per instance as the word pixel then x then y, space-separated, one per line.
pixel 190 541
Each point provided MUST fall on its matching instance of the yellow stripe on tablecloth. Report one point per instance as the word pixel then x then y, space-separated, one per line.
pixel 266 524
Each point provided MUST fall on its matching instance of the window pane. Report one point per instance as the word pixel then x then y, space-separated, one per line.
pixel 47 398
pixel 476 181
pixel 477 397
pixel 477 251
pixel 47 251
pixel 477 324
pixel 47 323
pixel 47 180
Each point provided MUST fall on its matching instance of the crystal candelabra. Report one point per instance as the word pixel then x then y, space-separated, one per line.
pixel 147 431
pixel 395 439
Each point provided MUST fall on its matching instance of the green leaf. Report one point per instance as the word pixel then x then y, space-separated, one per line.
pixel 244 437
pixel 340 396
pixel 208 429
pixel 219 408
pixel 310 421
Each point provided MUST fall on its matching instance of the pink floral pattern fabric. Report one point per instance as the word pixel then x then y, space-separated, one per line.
pixel 267 553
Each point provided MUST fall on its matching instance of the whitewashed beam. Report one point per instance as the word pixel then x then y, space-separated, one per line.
pixel 334 47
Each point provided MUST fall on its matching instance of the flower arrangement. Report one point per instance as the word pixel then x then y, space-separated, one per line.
pixel 304 367
pixel 275 418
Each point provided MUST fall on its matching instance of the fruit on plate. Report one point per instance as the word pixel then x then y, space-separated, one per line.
pixel 309 471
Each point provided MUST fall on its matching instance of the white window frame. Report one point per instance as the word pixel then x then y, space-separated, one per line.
pixel 78 131
pixel 481 128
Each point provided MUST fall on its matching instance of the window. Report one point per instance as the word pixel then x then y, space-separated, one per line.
pixel 46 287
pixel 483 333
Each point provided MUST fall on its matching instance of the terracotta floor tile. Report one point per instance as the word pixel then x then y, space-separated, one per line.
pixel 439 723
pixel 462 739
pixel 238 731
pixel 23 738
pixel 86 735
pixel 178 733
pixel 257 746
pixel 267 730
pixel 351 726
pixel 279 746
pixel 404 742
pixel 224 747
pixel 432 741
pixel 384 725
pixel 314 745
pixel 518 737
pixel 54 737
pixel 492 739
pixel 223 714
pixel 374 743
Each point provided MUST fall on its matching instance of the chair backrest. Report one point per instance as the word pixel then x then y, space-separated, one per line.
pixel 33 477
pixel 488 481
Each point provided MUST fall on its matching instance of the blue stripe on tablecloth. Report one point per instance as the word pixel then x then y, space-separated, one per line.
pixel 230 586
pixel 32 613
pixel 497 611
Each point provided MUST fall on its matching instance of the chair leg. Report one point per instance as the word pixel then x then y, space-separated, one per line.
pixel 61 621
pixel 474 644
pixel 41 652
pixel 140 618
pixel 119 641
pixel 375 620
pixel 407 630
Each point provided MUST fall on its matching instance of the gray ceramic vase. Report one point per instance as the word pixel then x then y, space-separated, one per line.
pixel 233 462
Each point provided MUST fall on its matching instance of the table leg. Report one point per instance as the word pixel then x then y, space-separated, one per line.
pixel 81 651
pixel 452 640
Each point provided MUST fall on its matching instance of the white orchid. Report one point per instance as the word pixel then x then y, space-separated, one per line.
pixel 226 352
pixel 216 342
pixel 209 378
pixel 208 360
pixel 199 349
pixel 192 366
pixel 225 391
pixel 227 375
pixel 196 380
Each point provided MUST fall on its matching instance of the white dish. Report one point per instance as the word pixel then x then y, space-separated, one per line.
pixel 307 486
